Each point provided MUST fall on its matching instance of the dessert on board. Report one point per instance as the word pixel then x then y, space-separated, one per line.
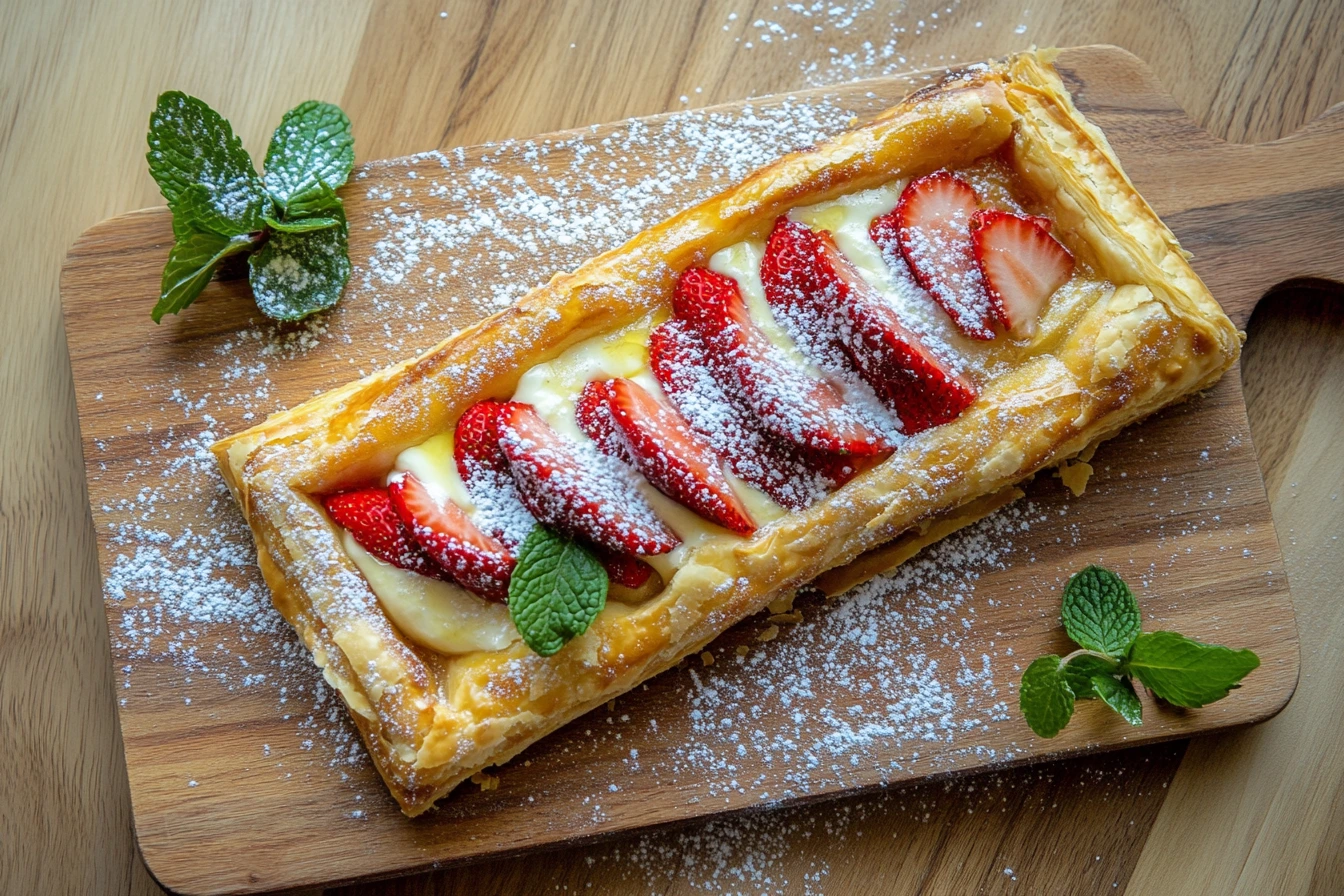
pixel 484 542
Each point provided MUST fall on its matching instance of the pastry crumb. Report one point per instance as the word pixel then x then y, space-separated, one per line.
pixel 743 650
pixel 1075 475
pixel 782 604
pixel 707 658
pixel 485 781
pixel 769 634
pixel 787 618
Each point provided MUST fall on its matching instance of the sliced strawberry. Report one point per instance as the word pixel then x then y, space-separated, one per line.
pixel 800 294
pixel 810 282
pixel 625 570
pixel 799 408
pixel 593 414
pixel 790 475
pixel 930 229
pixel 1022 265
pixel 476 441
pixel 629 579
pixel 367 514
pixel 575 489
pixel 677 461
pixel 1039 220
pixel 485 472
pixel 474 560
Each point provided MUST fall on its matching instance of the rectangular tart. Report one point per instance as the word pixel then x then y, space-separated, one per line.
pixel 436 679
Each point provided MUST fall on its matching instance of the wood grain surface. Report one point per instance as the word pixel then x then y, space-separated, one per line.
pixel 1178 502
pixel 1251 813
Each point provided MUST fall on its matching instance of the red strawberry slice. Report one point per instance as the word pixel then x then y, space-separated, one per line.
pixel 476 442
pixel 810 282
pixel 799 408
pixel 474 560
pixel 625 570
pixel 593 414
pixel 669 454
pixel 367 514
pixel 1022 266
pixel 1040 220
pixel 791 476
pixel 485 473
pixel 575 489
pixel 800 294
pixel 930 229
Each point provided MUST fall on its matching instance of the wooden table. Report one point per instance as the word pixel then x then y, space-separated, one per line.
pixel 1253 812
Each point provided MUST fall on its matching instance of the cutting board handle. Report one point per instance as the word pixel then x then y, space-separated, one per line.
pixel 1254 215
pixel 1276 214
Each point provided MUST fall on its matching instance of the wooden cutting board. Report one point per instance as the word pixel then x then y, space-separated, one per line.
pixel 245 775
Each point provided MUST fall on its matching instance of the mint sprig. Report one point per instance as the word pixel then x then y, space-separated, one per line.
pixel 1101 615
pixel 557 589
pixel 291 219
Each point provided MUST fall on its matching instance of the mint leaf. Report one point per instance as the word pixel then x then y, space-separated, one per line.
pixel 302 225
pixel 1186 672
pixel 1045 698
pixel 191 145
pixel 190 266
pixel 321 200
pixel 1100 612
pixel 1118 694
pixel 557 589
pixel 311 151
pixel 297 274
pixel 196 211
pixel 1078 673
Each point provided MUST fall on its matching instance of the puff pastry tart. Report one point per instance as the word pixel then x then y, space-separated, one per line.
pixel 874 337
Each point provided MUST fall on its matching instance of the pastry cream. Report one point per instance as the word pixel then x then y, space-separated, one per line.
pixel 438 615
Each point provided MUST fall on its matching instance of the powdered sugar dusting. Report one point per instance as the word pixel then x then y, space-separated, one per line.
pixel 843 691
pixel 584 195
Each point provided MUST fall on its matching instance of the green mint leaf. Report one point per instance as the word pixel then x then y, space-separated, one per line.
pixel 557 589
pixel 319 201
pixel 301 225
pixel 1118 694
pixel 196 211
pixel 297 274
pixel 1078 673
pixel 191 145
pixel 1186 672
pixel 1044 697
pixel 311 150
pixel 190 266
pixel 1100 612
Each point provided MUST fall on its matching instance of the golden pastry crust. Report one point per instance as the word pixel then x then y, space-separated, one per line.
pixel 431 721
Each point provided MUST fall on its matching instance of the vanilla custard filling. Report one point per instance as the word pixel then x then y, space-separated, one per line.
pixel 449 619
